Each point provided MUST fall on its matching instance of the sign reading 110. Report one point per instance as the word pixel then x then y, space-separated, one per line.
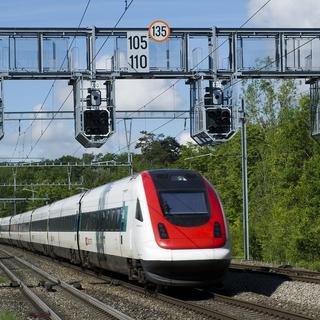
pixel 138 45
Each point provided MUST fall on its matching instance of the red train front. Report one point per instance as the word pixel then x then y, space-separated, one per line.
pixel 185 240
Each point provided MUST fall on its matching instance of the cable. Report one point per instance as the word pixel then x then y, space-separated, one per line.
pixel 105 41
pixel 43 132
pixel 103 44
pixel 215 49
pixel 63 61
pixel 19 135
pixel 178 80
pixel 159 127
pixel 127 6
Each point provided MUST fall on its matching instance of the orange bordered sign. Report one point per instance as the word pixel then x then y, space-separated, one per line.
pixel 159 30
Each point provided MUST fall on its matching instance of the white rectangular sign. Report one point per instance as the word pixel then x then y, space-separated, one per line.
pixel 138 51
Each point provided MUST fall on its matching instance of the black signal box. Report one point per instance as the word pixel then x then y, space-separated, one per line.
pixel 96 122
pixel 218 120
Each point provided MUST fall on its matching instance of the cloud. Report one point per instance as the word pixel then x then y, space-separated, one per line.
pixel 286 13
pixel 61 95
pixel 134 94
pixel 59 138
pixel 184 138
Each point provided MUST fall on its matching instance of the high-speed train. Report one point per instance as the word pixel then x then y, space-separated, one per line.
pixel 162 226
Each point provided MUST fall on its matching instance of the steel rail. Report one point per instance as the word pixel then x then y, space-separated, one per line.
pixel 271 311
pixel 206 311
pixel 279 313
pixel 30 294
pixel 212 314
pixel 69 288
pixel 294 275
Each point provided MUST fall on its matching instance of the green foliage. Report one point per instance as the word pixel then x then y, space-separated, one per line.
pixel 158 150
pixel 283 174
pixel 7 315
pixel 3 280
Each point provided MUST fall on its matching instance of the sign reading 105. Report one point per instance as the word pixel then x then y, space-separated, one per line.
pixel 138 51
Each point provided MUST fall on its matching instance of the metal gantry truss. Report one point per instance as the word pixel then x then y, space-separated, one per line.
pixel 193 54
pixel 49 53
pixel 32 164
pixel 120 115
pixel 14 166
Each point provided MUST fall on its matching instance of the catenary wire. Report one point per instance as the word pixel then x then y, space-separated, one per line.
pixel 178 80
pixel 127 6
pixel 212 51
pixel 63 61
pixel 103 44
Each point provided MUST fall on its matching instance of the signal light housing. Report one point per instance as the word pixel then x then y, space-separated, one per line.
pixel 93 98
pixel 96 122
pixel 218 120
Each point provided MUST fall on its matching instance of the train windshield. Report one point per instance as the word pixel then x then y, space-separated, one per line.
pixel 178 203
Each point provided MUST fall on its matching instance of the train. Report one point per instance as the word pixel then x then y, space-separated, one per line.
pixel 164 226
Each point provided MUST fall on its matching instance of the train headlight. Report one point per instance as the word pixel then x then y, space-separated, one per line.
pixel 163 231
pixel 217 230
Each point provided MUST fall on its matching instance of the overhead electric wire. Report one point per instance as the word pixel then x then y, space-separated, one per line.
pixel 63 61
pixel 212 51
pixel 119 20
pixel 44 131
pixel 103 44
pixel 178 80
pixel 127 6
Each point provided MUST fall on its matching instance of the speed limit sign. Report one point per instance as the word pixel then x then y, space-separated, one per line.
pixel 159 31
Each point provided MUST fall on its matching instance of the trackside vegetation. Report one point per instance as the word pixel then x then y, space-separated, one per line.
pixel 7 315
pixel 283 168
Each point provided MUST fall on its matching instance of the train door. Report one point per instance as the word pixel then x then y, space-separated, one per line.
pixel 125 229
pixel 139 230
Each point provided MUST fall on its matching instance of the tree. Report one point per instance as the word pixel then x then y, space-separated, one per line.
pixel 158 149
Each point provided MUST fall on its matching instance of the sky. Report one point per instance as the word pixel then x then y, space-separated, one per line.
pixel 59 139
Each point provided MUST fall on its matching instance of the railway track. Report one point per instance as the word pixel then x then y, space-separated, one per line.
pixel 30 279
pixel 222 307
pixel 284 271
pixel 216 306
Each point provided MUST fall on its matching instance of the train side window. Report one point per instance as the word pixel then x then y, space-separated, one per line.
pixel 139 212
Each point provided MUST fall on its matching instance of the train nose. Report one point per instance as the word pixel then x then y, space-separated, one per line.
pixel 185 273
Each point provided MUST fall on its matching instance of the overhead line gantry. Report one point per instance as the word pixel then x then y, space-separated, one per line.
pixel 202 57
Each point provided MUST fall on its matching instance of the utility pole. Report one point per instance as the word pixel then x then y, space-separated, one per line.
pixel 245 180
pixel 14 190
pixel 69 178
pixel 128 132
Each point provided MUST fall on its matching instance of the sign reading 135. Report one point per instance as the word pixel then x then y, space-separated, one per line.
pixel 138 51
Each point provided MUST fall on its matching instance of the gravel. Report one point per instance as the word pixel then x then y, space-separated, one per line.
pixel 269 290
pixel 134 304
pixel 12 300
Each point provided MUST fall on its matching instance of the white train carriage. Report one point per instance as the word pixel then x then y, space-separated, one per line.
pixel 63 228
pixel 5 229
pixel 162 226
pixel 39 229
pixel 24 230
pixel 105 234
pixel 14 230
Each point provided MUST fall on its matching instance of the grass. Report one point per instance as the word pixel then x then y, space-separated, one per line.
pixel 3 280
pixel 7 315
